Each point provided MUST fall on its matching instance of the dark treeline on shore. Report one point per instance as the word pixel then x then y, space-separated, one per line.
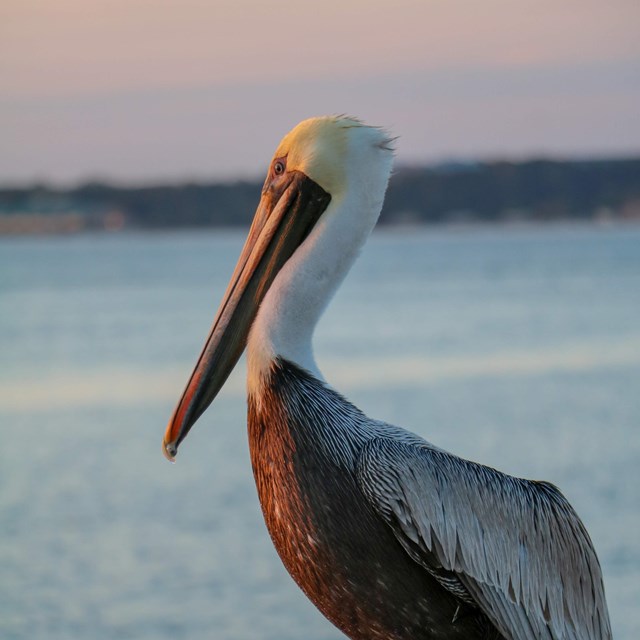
pixel 537 190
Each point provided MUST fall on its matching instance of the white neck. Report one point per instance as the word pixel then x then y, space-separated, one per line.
pixel 301 291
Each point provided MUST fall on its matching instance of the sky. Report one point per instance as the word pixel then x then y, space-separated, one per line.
pixel 139 91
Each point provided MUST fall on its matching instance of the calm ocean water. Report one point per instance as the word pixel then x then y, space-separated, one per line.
pixel 519 348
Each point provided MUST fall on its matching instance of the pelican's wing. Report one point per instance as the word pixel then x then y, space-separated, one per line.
pixel 516 546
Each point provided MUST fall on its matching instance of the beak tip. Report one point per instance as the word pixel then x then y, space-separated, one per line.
pixel 169 450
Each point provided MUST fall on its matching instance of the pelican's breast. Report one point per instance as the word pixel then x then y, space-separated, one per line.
pixel 304 440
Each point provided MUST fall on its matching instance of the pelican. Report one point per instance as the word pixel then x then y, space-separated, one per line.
pixel 388 535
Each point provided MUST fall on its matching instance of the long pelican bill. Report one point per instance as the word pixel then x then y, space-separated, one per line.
pixel 290 206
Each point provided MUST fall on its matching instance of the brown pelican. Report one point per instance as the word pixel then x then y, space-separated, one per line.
pixel 388 535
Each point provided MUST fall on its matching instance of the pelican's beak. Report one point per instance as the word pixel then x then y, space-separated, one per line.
pixel 289 208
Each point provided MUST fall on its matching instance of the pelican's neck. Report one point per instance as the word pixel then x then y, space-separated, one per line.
pixel 295 301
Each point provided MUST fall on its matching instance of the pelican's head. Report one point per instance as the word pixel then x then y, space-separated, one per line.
pixel 317 164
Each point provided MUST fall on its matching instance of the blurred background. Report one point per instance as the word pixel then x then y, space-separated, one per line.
pixel 494 312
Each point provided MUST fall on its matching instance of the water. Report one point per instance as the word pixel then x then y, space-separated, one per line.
pixel 519 348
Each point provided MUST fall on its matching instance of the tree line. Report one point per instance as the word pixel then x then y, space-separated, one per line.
pixel 456 192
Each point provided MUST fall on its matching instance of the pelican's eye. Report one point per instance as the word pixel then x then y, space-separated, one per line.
pixel 279 167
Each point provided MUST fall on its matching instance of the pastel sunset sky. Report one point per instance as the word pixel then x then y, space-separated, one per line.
pixel 151 90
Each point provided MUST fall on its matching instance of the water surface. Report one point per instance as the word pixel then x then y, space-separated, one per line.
pixel 519 348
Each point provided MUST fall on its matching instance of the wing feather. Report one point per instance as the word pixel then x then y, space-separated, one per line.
pixel 516 545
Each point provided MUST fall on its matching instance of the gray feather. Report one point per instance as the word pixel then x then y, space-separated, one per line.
pixel 517 546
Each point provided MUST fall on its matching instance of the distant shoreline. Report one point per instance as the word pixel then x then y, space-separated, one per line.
pixel 402 229
pixel 470 193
